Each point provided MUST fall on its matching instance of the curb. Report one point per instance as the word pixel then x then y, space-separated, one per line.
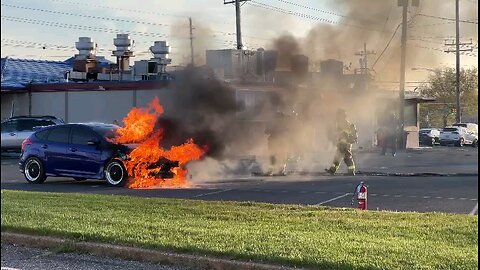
pixel 134 253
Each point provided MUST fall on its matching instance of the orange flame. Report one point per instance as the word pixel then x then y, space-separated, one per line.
pixel 146 161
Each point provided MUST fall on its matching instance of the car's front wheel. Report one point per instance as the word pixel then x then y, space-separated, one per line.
pixel 115 173
pixel 461 142
pixel 34 171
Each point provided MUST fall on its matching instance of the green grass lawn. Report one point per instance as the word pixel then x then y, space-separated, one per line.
pixel 317 237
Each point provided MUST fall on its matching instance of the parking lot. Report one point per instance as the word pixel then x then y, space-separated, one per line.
pixel 440 179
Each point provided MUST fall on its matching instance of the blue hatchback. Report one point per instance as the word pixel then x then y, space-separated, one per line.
pixel 81 151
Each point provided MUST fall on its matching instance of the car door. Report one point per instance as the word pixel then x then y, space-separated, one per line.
pixel 469 136
pixel 83 159
pixel 9 134
pixel 55 149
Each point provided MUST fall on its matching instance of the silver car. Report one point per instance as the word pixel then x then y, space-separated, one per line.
pixel 16 129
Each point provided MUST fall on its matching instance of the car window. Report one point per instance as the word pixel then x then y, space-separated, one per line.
pixel 29 124
pixel 450 129
pixel 59 134
pixel 82 136
pixel 9 126
pixel 42 135
pixel 45 123
pixel 26 124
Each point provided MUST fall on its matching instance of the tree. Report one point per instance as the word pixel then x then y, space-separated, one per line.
pixel 441 86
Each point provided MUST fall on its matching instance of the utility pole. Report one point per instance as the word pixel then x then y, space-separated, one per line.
pixel 364 70
pixel 404 5
pixel 457 50
pixel 364 60
pixel 191 41
pixel 458 113
pixel 238 21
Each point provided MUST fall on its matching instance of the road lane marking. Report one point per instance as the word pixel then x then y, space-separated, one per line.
pixel 9 268
pixel 474 210
pixel 211 193
pixel 333 199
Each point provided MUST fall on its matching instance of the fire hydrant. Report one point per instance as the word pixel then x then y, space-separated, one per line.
pixel 361 192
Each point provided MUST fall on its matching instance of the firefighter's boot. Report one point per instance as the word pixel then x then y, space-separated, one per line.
pixel 332 170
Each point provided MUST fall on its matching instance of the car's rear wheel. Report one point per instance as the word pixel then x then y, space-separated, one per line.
pixel 115 173
pixel 475 143
pixel 432 143
pixel 34 171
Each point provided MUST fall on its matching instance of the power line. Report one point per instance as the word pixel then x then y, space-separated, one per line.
pixel 79 27
pixel 120 9
pixel 446 19
pixel 305 16
pixel 97 29
pixel 111 19
pixel 85 16
pixel 314 9
pixel 388 44
pixel 326 12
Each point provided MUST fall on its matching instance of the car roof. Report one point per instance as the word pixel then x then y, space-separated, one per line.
pixel 34 117
pixel 96 124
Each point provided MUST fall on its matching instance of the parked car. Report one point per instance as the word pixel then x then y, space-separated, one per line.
pixel 429 136
pixel 469 126
pixel 81 151
pixel 459 136
pixel 18 128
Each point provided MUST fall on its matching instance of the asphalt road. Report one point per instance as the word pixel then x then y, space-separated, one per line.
pixel 23 258
pixel 455 192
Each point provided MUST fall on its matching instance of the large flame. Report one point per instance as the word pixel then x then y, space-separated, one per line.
pixel 146 161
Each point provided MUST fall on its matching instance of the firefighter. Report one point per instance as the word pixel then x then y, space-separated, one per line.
pixel 346 135
pixel 277 144
pixel 392 130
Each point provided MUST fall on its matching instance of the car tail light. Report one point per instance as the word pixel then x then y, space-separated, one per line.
pixel 26 142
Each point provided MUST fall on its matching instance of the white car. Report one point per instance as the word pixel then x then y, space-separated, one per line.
pixel 459 136
pixel 470 126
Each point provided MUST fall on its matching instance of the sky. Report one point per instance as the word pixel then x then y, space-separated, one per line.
pixel 30 25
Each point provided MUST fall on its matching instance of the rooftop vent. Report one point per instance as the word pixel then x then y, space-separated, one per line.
pixel 124 43
pixel 86 48
pixel 160 50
